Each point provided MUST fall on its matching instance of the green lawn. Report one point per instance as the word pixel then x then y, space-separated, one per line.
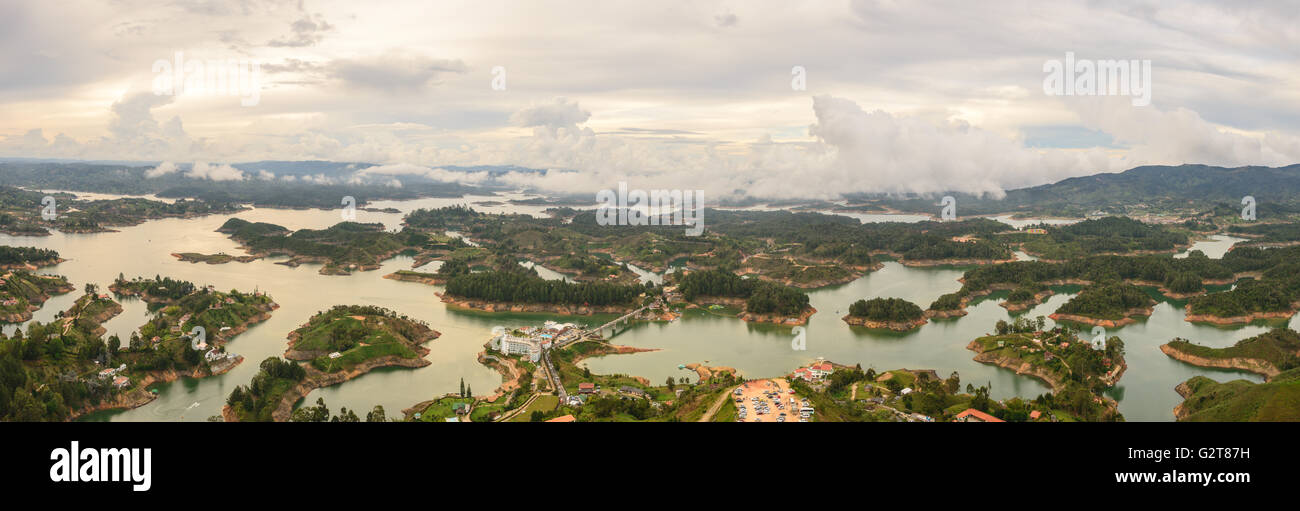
pixel 541 404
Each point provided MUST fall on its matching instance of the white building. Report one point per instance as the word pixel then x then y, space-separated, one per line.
pixel 515 345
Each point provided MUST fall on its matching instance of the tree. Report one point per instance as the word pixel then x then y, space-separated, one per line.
pixel 670 383
pixel 377 415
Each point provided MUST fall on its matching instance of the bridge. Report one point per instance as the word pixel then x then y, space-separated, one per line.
pixel 594 333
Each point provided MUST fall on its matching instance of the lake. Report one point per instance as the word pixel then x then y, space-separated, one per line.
pixel 1146 393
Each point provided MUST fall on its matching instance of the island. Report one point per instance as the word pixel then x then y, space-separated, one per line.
pixel 1026 296
pixel 886 313
pixel 1267 354
pixel 340 249
pixel 519 289
pixel 1110 304
pixel 27 258
pixel 337 345
pixel 1071 366
pixel 763 301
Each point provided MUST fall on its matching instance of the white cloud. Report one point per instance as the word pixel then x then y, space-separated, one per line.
pixel 162 169
pixel 221 172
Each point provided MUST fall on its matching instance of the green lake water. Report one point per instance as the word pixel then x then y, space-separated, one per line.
pixel 1146 392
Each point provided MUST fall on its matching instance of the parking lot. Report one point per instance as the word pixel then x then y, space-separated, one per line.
pixel 767 401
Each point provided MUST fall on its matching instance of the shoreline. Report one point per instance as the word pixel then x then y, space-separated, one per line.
pixel 1251 365
pixel 897 326
pixel 567 310
pixel 1015 364
pixel 1128 319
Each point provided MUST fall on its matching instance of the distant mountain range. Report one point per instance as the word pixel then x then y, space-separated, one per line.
pixel 1154 188
pixel 1150 189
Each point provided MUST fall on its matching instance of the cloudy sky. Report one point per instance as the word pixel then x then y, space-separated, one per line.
pixel 899 96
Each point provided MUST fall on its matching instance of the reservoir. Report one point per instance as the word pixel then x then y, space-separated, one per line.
pixel 1146 392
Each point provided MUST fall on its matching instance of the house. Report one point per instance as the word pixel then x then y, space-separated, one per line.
pixel 575 401
pixel 1035 230
pixel 563 418
pixel 821 370
pixel 335 355
pixel 628 389
pixel 460 408
pixel 905 391
pixel 803 373
pixel 586 388
pixel 973 415
pixel 1034 415
pixel 121 382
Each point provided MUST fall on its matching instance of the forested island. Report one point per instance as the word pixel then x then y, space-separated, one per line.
pixel 885 313
pixel 340 249
pixel 1108 304
pixel 763 301
pixel 521 290
pixel 1267 354
pixel 1025 296
pixel 29 258
pixel 266 393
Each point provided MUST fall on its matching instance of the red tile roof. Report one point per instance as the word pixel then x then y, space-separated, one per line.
pixel 563 418
pixel 978 415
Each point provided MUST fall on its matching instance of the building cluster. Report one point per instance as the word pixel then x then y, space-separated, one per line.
pixel 814 372
pixel 532 341
pixel 114 374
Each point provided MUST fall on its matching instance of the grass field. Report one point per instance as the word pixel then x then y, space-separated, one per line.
pixel 541 404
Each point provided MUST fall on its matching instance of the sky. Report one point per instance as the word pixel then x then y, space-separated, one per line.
pixel 756 98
